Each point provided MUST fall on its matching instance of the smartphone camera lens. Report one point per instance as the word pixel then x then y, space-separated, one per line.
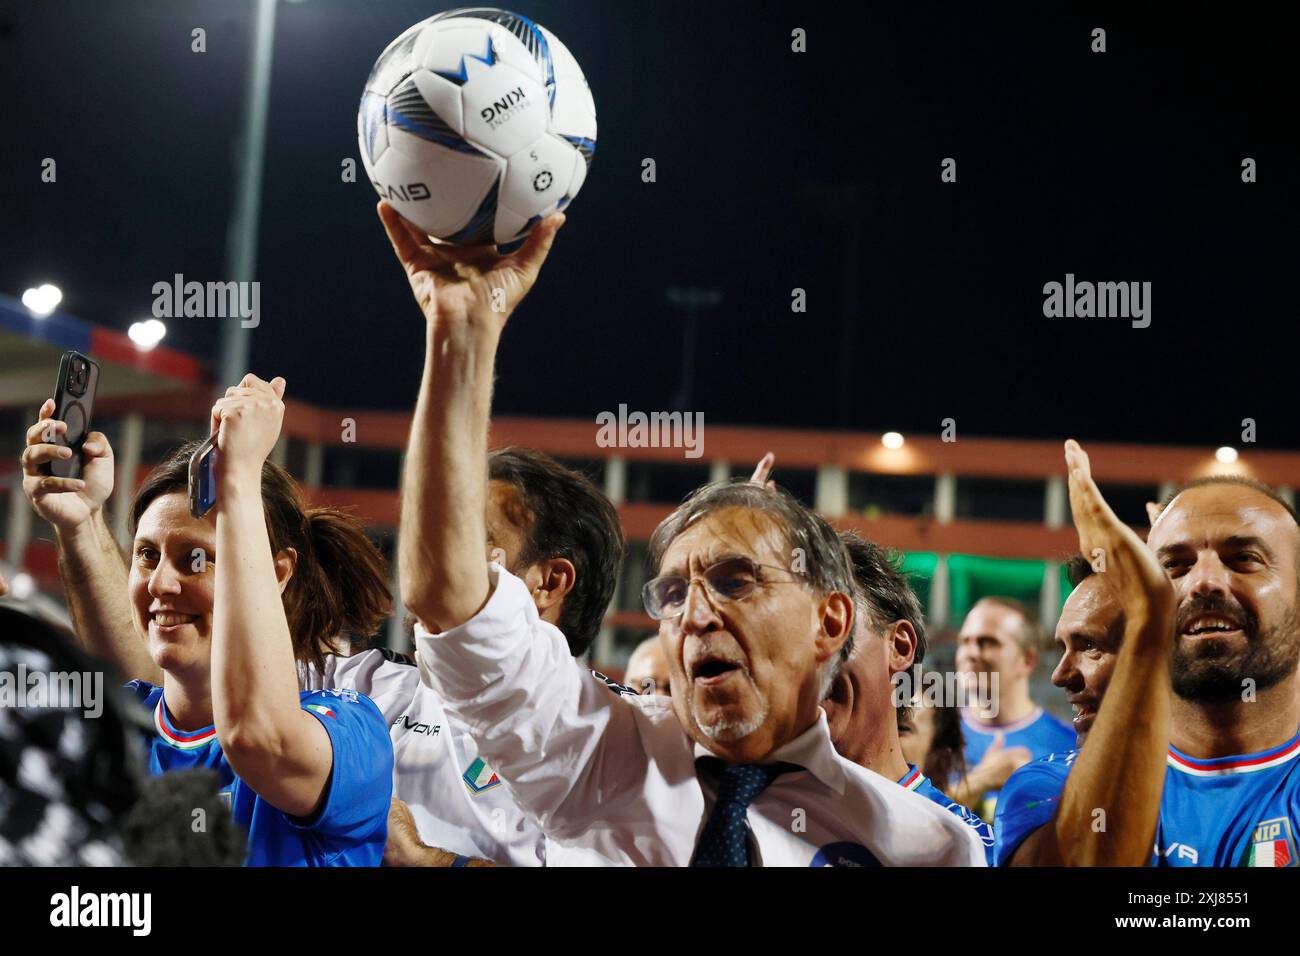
pixel 78 374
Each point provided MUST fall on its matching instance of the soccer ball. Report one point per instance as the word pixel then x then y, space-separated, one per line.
pixel 476 124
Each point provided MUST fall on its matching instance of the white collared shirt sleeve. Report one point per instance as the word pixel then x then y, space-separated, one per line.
pixel 560 739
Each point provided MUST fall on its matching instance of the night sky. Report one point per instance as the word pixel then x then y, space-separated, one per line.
pixel 776 170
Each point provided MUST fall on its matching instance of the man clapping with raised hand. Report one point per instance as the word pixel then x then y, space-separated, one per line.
pixel 1107 796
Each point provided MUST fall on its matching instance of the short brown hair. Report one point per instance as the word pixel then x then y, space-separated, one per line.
pixel 1240 481
pixel 340 584
pixel 1029 635
pixel 1077 569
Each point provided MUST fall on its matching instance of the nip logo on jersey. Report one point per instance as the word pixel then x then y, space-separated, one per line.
pixel 1270 845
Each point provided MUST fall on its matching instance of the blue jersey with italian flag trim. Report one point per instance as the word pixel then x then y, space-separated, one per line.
pixel 349 829
pixel 1227 811
pixel 919 783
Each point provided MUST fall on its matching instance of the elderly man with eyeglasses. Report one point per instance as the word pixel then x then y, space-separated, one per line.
pixel 753 594
pixel 753 598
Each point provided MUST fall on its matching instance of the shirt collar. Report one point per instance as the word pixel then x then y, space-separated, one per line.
pixel 812 750
pixel 180 739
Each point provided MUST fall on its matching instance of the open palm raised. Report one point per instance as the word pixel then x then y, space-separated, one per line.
pixel 1112 546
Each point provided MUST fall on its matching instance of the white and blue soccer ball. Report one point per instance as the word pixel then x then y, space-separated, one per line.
pixel 476 124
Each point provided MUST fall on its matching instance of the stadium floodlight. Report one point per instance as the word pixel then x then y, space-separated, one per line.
pixel 1226 455
pixel 146 334
pixel 891 440
pixel 43 300
pixel 22 586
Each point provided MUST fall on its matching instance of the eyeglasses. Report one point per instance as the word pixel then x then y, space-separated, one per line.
pixel 731 579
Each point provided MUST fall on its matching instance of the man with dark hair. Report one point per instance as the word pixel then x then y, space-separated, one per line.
pixel 1098 806
pixel 870 696
pixel 1089 634
pixel 999 644
pixel 541 511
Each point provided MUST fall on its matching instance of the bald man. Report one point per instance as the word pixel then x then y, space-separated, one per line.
pixel 647 669
pixel 1197 747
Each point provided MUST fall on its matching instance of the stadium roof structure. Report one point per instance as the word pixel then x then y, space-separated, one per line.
pixel 30 347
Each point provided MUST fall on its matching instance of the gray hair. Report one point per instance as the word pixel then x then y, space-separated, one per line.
pixel 822 560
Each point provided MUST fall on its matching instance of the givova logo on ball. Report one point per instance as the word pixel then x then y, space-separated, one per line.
pixel 476 124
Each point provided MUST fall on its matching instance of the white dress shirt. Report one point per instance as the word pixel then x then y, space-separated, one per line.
pixel 457 800
pixel 611 777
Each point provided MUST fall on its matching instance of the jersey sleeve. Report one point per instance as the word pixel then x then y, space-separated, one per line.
pixel 560 739
pixel 361 779
pixel 142 690
pixel 1029 800
pixel 982 830
pixel 977 824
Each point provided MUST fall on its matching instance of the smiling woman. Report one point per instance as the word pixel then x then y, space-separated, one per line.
pixel 350 598
pixel 200 585
pixel 214 616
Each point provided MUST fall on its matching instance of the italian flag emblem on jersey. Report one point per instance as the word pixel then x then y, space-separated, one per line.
pixel 1270 845
pixel 478 776
pixel 321 709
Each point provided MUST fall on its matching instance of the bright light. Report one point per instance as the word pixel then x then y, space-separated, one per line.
pixel 891 440
pixel 1226 455
pixel 44 300
pixel 22 586
pixel 146 334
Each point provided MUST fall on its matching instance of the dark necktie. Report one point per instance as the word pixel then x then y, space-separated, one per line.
pixel 724 839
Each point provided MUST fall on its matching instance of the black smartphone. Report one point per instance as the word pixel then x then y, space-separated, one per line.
pixel 74 400
pixel 203 478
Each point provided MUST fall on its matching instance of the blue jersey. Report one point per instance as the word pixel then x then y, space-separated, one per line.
pixel 350 829
pixel 1228 811
pixel 1028 801
pixel 919 783
pixel 1040 732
